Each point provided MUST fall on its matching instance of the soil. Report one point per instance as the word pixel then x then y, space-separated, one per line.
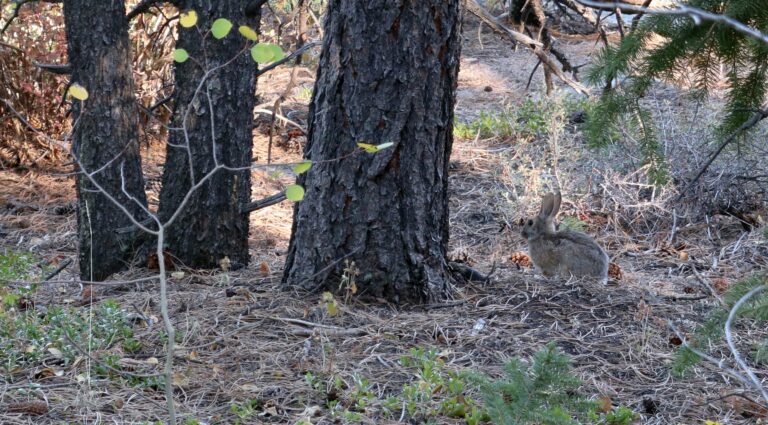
pixel 242 338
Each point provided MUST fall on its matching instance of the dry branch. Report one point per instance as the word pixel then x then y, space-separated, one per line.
pixel 751 122
pixel 536 46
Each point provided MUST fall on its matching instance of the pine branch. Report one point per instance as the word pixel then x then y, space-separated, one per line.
pixel 696 14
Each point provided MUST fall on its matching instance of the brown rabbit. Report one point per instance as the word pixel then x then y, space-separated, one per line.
pixel 566 253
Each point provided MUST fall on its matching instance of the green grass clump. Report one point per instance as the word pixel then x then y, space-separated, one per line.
pixel 532 118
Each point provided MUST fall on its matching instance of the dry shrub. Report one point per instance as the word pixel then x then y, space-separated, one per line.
pixel 37 35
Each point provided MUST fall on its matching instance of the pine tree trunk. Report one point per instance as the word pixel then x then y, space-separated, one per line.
pixel 211 226
pixel 388 73
pixel 105 134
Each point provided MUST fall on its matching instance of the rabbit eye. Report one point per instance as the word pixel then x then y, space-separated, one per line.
pixel 530 222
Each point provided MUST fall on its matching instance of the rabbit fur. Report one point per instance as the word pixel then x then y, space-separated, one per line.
pixel 565 253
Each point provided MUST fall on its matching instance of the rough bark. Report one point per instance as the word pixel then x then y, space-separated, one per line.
pixel 105 138
pixel 212 225
pixel 387 73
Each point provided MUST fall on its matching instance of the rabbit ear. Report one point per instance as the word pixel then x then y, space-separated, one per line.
pixel 547 203
pixel 556 205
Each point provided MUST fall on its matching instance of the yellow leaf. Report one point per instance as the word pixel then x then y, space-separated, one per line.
pixel 248 33
pixel 188 19
pixel 302 167
pixel 78 92
pixel 368 147
pixel 152 361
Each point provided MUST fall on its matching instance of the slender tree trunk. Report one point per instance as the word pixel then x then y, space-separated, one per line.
pixel 211 226
pixel 387 73
pixel 105 138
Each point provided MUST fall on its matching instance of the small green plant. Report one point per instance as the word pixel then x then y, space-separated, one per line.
pixel 572 223
pixel 533 115
pixel 244 411
pixel 542 391
pixel 532 118
pixel 437 391
pixel 621 416
pixel 487 124
pixel 26 337
pixel 15 265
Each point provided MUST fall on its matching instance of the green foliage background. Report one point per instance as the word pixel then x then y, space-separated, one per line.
pixel 666 47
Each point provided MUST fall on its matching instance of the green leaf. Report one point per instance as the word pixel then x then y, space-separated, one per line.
pixel 302 167
pixel 294 193
pixel 368 147
pixel 188 19
pixel 277 52
pixel 221 28
pixel 248 32
pixel 180 55
pixel 261 53
pixel 384 146
pixel 78 92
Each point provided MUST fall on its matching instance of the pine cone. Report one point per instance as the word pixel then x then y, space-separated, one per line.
pixel 521 259
pixel 721 284
pixel 614 271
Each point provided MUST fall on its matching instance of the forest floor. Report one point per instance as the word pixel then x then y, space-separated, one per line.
pixel 248 352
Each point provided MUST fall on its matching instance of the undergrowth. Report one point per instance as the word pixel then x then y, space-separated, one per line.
pixel 15 265
pixel 63 336
pixel 530 119
pixel 542 390
pixel 711 332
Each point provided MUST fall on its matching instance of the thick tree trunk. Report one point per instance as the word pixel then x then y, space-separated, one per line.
pixel 105 138
pixel 387 73
pixel 212 225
